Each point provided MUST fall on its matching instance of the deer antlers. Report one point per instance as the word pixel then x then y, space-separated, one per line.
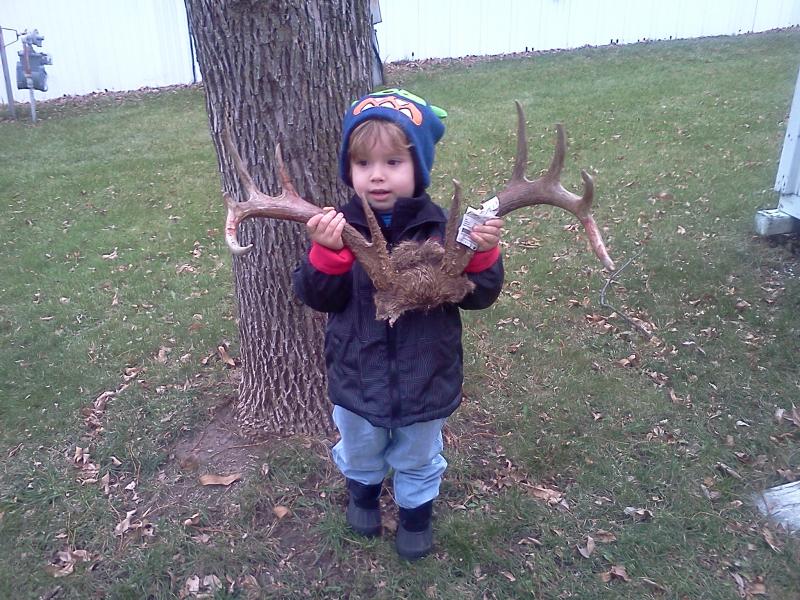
pixel 418 276
pixel 547 189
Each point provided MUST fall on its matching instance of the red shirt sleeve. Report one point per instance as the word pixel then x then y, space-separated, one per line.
pixel 483 260
pixel 330 262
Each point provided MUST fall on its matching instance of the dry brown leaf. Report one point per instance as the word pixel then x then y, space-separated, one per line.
pixel 549 495
pixel 619 572
pixel 251 586
pixel 162 354
pixel 586 551
pixel 740 584
pixel 192 586
pixel 211 479
pixel 604 537
pixel 630 361
pixel 14 450
pixel 675 398
pixel 795 416
pixel 193 520
pixel 770 539
pixel 212 583
pixel 125 524
pixel 638 514
pixel 281 511
pixel 728 470
pixel 508 576
pixel 757 589
pixel 64 562
pixel 226 358
pixel 653 584
pixel 530 540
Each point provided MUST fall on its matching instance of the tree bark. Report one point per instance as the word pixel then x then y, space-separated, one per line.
pixel 281 72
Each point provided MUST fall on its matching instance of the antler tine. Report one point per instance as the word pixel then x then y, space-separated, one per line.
pixel 557 164
pixel 456 255
pixel 521 162
pixel 232 220
pixel 547 189
pixel 283 173
pixel 287 206
pixel 377 266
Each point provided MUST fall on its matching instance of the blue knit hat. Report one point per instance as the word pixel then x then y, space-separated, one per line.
pixel 420 121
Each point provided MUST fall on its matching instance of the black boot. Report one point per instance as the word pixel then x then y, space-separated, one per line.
pixel 415 532
pixel 363 509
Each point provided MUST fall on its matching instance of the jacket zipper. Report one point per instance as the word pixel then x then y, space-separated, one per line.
pixel 391 350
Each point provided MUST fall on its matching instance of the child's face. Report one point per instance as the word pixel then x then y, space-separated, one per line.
pixel 383 175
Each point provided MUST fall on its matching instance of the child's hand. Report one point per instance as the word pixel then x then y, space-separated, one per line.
pixel 326 228
pixel 487 236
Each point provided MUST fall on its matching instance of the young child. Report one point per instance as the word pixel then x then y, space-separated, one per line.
pixel 392 386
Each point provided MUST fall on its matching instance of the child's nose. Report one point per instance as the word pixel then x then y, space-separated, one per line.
pixel 377 173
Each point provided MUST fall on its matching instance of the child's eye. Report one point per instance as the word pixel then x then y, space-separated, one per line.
pixel 394 162
pixel 361 163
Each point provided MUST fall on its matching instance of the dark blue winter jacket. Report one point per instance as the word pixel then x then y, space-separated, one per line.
pixel 402 374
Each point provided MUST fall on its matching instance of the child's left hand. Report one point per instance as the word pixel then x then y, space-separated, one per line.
pixel 487 236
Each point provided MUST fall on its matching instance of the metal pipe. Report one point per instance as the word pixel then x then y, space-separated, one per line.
pixel 9 91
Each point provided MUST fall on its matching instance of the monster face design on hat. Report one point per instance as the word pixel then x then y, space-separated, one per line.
pixel 395 102
pixel 420 121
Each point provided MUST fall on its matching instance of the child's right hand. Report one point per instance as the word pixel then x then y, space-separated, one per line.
pixel 326 228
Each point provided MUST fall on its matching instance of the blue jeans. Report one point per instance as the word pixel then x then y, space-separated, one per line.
pixel 365 453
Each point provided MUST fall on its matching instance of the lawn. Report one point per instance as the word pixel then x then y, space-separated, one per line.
pixel 606 449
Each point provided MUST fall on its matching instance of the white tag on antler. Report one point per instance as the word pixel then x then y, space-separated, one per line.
pixel 476 216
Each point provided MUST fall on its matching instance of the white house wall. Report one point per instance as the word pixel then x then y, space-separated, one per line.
pixel 420 29
pixel 101 45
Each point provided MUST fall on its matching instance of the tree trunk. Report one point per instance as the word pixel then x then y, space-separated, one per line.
pixel 281 72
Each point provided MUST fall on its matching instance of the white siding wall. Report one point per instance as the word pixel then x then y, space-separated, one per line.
pixel 419 29
pixel 101 45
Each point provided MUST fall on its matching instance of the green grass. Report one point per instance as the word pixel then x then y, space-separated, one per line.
pixel 111 250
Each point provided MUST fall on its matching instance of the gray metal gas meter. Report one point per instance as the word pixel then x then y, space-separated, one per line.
pixel 30 67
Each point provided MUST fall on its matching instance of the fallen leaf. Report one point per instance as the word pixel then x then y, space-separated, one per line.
pixel 219 479
pixel 212 583
pixel 619 572
pixel 64 562
pixel 162 354
pixel 125 524
pixel 728 470
pixel 549 495
pixel 281 511
pixel 757 589
pixel 530 540
pixel 630 361
pixel 586 551
pixel 638 514
pixel 192 586
pixel 508 576
pixel 770 539
pixel 795 416
pixel 14 450
pixel 740 584
pixel 604 537
pixel 226 358
pixel 653 584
